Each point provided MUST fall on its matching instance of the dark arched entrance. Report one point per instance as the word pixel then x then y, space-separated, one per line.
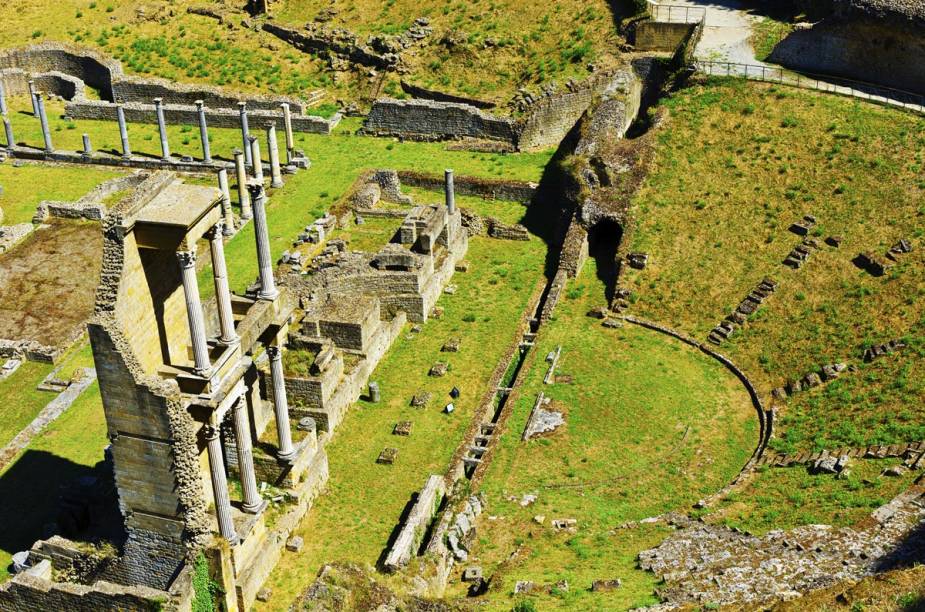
pixel 603 241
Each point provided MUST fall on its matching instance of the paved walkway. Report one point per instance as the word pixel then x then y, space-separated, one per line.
pixel 727 32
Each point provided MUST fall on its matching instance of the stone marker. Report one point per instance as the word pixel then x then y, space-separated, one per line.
pixel 374 393
pixel 449 408
pixel 402 428
pixel 454 392
pixel 387 456
pixel 451 345
pixel 87 151
pixel 438 370
pixel 123 131
pixel 421 398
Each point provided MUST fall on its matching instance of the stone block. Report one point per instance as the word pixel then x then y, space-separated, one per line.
pixel 439 369
pixel 387 456
pixel 402 428
pixel 295 544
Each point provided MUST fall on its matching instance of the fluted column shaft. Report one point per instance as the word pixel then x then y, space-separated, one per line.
pixel 243 196
pixel 276 176
pixel 227 213
pixel 3 109
pixel 222 293
pixel 245 132
pixel 8 130
pixel 220 485
pixel 256 163
pixel 204 133
pixel 32 92
pixel 123 131
pixel 242 437
pixel 287 126
pixel 280 403
pixel 162 128
pixel 88 150
pixel 450 191
pixel 197 326
pixel 268 290
pixel 43 120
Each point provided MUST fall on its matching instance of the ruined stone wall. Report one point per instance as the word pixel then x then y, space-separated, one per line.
pixel 488 189
pixel 866 49
pixel 661 36
pixel 94 69
pixel 430 120
pixel 25 592
pixel 16 83
pixel 181 113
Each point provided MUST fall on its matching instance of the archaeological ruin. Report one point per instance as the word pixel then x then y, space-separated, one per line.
pixel 419 306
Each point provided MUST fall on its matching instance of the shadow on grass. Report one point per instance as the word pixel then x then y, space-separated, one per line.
pixel 31 493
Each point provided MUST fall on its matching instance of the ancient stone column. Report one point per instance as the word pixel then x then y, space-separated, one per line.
pixel 43 119
pixel 2 99
pixel 242 437
pixel 8 130
pixel 197 325
pixel 32 92
pixel 162 128
pixel 87 149
pixel 287 125
pixel 241 173
pixel 256 162
pixel 280 404
pixel 245 132
pixel 204 133
pixel 276 176
pixel 222 293
pixel 123 132
pixel 227 213
pixel 450 191
pixel 220 485
pixel 268 290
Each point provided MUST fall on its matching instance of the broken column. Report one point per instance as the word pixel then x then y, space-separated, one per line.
pixel 241 173
pixel 276 176
pixel 268 290
pixel 280 403
pixel 204 133
pixel 43 119
pixel 227 334
pixel 8 130
pixel 242 435
pixel 287 126
pixel 227 213
pixel 123 132
pixel 162 128
pixel 32 92
pixel 87 151
pixel 450 191
pixel 2 99
pixel 245 132
pixel 197 326
pixel 256 162
pixel 219 484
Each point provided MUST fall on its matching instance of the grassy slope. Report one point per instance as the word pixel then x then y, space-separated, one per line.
pixel 26 186
pixel 363 502
pixel 536 41
pixel 737 164
pixel 652 425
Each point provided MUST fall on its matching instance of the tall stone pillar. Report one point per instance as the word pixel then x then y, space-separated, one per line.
pixel 204 133
pixel 220 485
pixel 197 325
pixel 280 404
pixel 256 162
pixel 245 132
pixel 276 176
pixel 32 92
pixel 123 132
pixel 3 108
pixel 227 213
pixel 242 436
pixel 268 290
pixel 287 125
pixel 222 293
pixel 88 150
pixel 162 128
pixel 43 119
pixel 241 174
pixel 8 130
pixel 450 191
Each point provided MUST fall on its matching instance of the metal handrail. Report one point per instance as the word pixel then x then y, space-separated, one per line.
pixel 847 87
pixel 676 13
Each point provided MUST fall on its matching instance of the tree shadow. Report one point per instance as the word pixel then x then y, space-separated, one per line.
pixel 43 494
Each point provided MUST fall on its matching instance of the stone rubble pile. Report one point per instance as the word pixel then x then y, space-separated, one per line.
pixel 827 373
pixel 462 529
pixel 879 350
pixel 801 252
pixel 746 307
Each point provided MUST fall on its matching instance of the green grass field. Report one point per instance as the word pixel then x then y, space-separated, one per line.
pixel 26 186
pixel 353 519
pixel 736 164
pixel 651 425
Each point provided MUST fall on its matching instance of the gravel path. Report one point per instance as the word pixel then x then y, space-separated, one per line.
pixel 727 32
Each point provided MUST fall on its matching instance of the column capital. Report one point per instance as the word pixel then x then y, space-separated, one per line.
pixel 199 104
pixel 242 105
pixel 256 189
pixel 210 432
pixel 274 353
pixel 217 230
pixel 158 101
pixel 284 105
pixel 187 259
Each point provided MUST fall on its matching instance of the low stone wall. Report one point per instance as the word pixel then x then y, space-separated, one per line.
pixel 136 112
pixel 556 287
pixel 141 163
pixel 26 592
pixel 487 189
pixel 16 83
pixel 430 120
pixel 29 350
pixel 429 94
pixel 661 36
pixel 412 532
